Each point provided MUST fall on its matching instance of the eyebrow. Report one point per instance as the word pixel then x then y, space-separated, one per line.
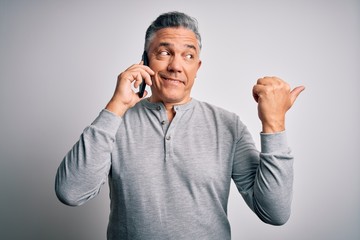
pixel 166 44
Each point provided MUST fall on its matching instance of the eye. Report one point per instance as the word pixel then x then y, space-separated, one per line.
pixel 189 56
pixel 164 53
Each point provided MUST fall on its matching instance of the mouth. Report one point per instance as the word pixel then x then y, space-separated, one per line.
pixel 171 80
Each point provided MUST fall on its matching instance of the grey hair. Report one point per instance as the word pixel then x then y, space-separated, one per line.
pixel 172 20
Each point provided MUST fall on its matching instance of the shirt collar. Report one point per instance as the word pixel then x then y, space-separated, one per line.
pixel 159 105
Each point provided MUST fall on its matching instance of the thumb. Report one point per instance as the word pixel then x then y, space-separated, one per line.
pixel 295 93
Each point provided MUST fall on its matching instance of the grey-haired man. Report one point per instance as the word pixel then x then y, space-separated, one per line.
pixel 169 159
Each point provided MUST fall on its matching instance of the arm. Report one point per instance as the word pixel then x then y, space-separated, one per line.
pixel 86 167
pixel 265 179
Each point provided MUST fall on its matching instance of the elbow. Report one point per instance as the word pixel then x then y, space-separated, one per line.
pixel 274 216
pixel 72 193
pixel 66 197
pixel 64 190
pixel 277 220
pixel 65 194
pixel 73 196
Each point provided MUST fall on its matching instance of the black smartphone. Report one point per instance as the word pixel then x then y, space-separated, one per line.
pixel 143 84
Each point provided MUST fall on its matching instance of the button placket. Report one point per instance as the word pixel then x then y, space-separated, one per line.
pixel 168 147
pixel 168 141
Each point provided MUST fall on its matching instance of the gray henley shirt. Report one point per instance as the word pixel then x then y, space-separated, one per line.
pixel 172 180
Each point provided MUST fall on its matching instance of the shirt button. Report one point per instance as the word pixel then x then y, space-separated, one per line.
pixel 168 138
pixel 163 122
pixel 158 108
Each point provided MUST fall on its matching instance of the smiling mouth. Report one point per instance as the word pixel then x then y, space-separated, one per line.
pixel 171 80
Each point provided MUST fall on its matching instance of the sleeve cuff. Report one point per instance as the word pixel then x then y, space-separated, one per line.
pixel 107 121
pixel 274 142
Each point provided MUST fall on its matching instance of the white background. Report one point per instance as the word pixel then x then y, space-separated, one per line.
pixel 59 61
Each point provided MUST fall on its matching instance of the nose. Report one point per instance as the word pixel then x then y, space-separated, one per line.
pixel 175 65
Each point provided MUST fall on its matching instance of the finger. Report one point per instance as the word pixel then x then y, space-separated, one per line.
pixel 255 94
pixel 148 80
pixel 143 69
pixel 139 65
pixel 257 91
pixel 268 80
pixel 295 93
pixel 148 70
pixel 145 94
pixel 138 79
pixel 132 67
pixel 146 75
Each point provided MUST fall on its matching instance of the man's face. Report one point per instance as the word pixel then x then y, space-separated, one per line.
pixel 174 57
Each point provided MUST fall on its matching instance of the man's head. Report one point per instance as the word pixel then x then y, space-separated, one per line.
pixel 173 48
pixel 172 20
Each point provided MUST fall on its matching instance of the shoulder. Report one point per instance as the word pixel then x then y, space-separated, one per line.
pixel 226 122
pixel 221 117
pixel 216 111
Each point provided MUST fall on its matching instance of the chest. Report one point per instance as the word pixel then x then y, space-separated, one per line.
pixel 188 150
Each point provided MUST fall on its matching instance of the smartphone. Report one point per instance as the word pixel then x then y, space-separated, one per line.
pixel 143 84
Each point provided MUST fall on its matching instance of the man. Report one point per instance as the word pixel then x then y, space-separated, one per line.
pixel 169 158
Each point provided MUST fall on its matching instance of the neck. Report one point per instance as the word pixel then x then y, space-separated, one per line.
pixel 168 106
pixel 170 111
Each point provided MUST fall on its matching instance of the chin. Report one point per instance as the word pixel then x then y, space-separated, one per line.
pixel 172 98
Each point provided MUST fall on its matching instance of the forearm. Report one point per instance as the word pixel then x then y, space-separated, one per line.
pixel 86 166
pixel 274 180
pixel 265 179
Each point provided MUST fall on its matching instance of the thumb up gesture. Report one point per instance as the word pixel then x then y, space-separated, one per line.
pixel 274 98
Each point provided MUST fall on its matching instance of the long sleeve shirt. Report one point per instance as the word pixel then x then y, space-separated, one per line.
pixel 171 180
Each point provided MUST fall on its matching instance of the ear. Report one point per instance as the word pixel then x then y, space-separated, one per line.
pixel 199 64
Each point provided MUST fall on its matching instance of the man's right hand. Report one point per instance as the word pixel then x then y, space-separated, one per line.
pixel 124 96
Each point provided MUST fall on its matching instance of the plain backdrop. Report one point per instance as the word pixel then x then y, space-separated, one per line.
pixel 59 61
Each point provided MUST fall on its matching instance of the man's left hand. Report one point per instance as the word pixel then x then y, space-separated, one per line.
pixel 274 98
